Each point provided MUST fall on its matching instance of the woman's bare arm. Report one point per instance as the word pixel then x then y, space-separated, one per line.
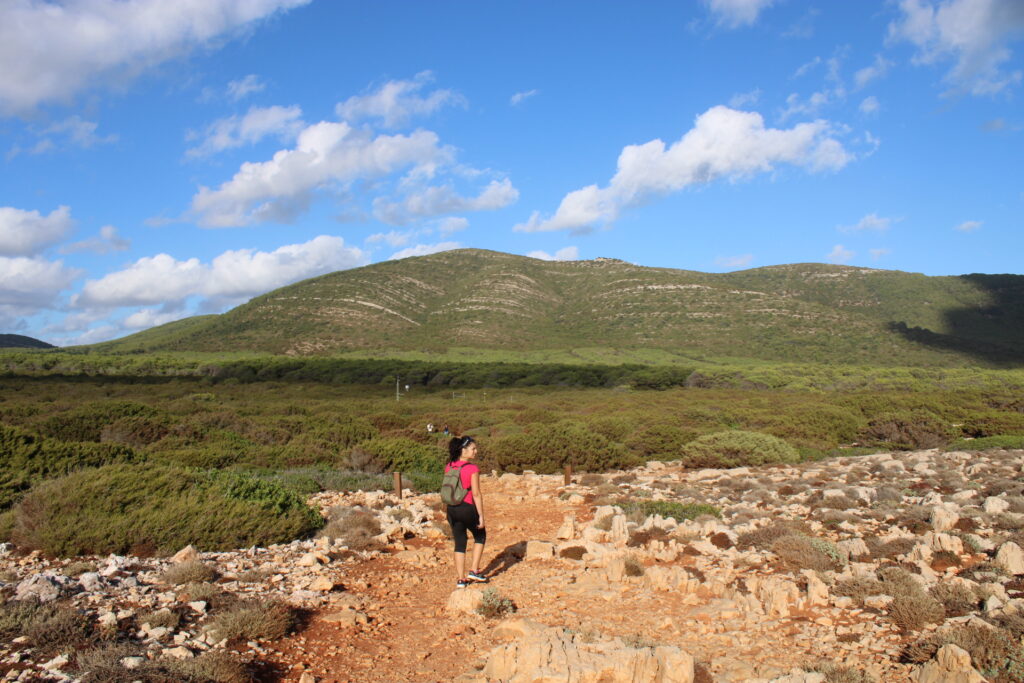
pixel 478 496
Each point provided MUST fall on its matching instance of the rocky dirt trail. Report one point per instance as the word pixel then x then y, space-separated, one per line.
pixel 411 636
pixel 888 567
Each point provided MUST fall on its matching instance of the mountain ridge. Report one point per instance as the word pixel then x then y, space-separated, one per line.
pixel 492 300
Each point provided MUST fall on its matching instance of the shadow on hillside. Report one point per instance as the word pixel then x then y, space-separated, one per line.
pixel 507 558
pixel 992 334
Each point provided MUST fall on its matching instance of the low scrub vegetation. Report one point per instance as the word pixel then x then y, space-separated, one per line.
pixel 158 509
pixel 737 449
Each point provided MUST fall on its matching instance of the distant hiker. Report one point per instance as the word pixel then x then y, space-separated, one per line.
pixel 446 430
pixel 430 428
pixel 460 492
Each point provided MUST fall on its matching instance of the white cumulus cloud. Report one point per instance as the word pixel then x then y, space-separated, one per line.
pixel 28 283
pixel 163 280
pixel 840 254
pixel 872 221
pixel 107 241
pixel 452 224
pixel 395 102
pixel 151 317
pixel 969 226
pixel 736 13
pixel 244 87
pixel 564 254
pixel 51 51
pixel 870 105
pixel 23 233
pixel 976 34
pixel 256 124
pixel 724 143
pixel 520 97
pixel 424 249
pixel 325 154
pixel 879 253
pixel 442 199
pixel 869 73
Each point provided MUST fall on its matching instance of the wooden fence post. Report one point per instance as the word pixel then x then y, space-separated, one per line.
pixel 568 475
pixel 398 485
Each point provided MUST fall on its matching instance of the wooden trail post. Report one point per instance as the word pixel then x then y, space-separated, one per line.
pixel 398 485
pixel 568 475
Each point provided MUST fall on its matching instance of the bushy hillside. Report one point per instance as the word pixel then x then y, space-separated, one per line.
pixel 489 300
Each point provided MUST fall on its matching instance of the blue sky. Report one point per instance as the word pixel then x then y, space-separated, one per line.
pixel 163 159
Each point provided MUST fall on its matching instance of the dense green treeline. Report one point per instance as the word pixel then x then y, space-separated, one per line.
pixel 444 373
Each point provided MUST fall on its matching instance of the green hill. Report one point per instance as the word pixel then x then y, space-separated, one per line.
pixel 18 341
pixel 479 299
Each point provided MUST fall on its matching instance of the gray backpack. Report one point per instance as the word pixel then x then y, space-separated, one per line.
pixel 452 490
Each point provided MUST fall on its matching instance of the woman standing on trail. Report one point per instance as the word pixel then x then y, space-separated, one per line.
pixel 465 513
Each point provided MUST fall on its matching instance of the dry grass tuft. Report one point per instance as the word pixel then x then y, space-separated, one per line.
pixel 956 599
pixel 634 567
pixel 912 613
pixel 800 552
pixel 837 673
pixel 254 620
pixel 763 538
pixel 354 527
pixel 192 571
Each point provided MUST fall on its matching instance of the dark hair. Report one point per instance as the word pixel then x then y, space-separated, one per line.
pixel 456 445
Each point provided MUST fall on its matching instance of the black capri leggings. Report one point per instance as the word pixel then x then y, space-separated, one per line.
pixel 463 517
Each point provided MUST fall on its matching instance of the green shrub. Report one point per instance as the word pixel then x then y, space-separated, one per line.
pixel 993 423
pixel 737 449
pixel 821 427
pixel 120 508
pixel 136 430
pixel 908 431
pixel 396 454
pixel 547 448
pixel 660 441
pixel 86 423
pixel 494 605
pixel 986 442
pixel 26 458
pixel 668 508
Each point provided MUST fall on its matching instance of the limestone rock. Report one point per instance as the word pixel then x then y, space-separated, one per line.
pixel 518 628
pixel 91 582
pixel 555 655
pixel 568 529
pixel 817 591
pixel 619 533
pixel 186 554
pixel 44 587
pixel 1011 558
pixel 952 664
pixel 944 519
pixel 539 550
pixel 308 560
pixel 324 584
pixel 347 617
pixel 464 600
pixel 180 652
pixel 994 506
